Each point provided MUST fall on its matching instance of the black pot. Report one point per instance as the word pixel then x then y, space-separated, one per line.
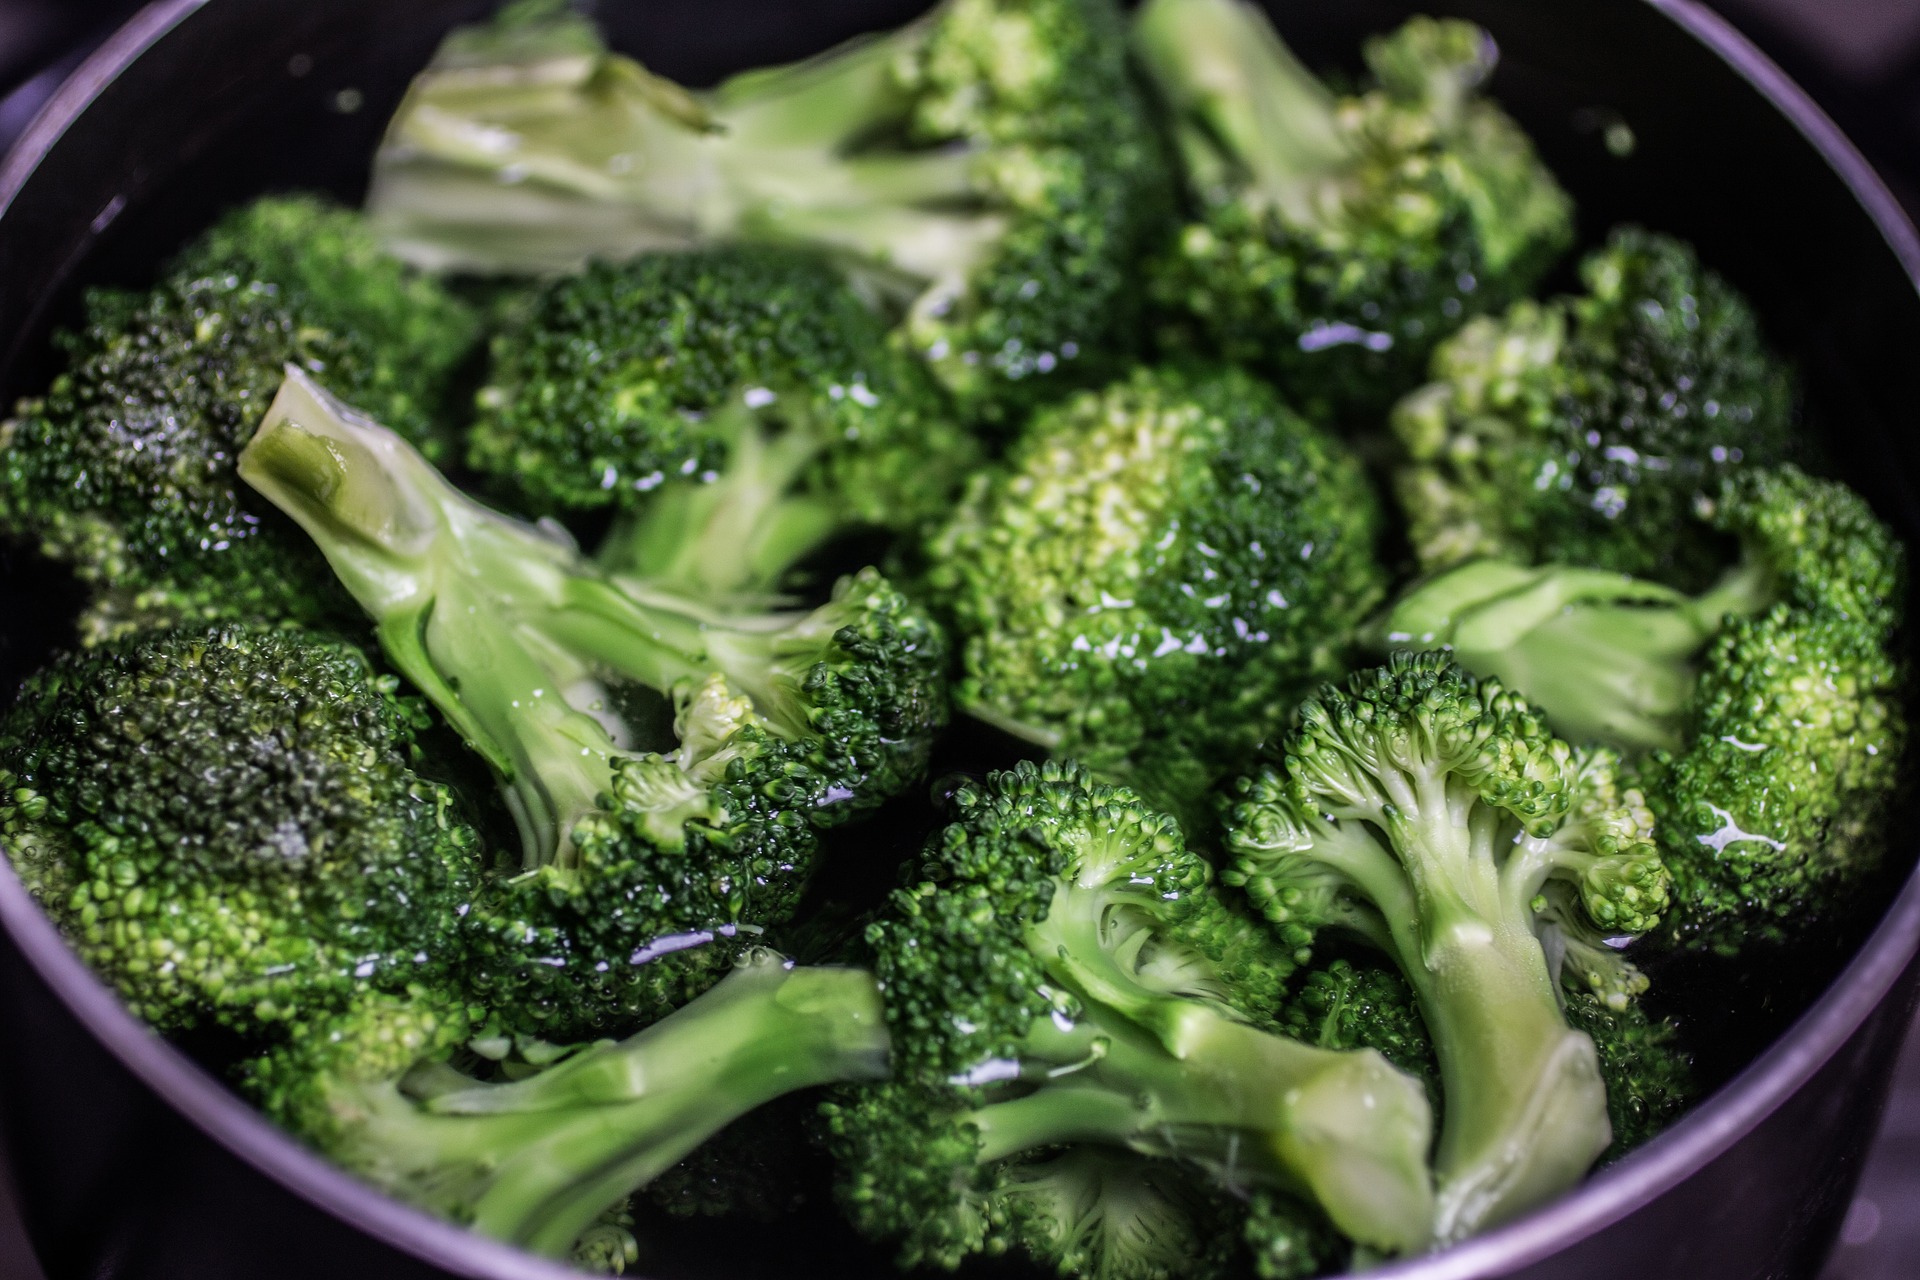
pixel 132 1162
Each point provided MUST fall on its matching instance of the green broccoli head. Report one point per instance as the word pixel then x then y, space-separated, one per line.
pixel 1436 817
pixel 1775 812
pixel 646 837
pixel 1046 991
pixel 123 469
pixel 1156 574
pixel 987 173
pixel 1591 430
pixel 228 824
pixel 740 405
pixel 544 1160
pixel 1336 240
pixel 1344 1005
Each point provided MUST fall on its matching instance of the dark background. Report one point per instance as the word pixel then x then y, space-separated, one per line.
pixel 1859 58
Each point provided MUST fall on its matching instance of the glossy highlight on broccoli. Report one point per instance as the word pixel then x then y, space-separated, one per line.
pixel 1334 239
pixel 987 173
pixel 229 826
pixel 1614 659
pixel 1050 985
pixel 123 469
pixel 539 1161
pixel 740 406
pixel 1437 818
pixel 645 863
pixel 1589 430
pixel 1157 573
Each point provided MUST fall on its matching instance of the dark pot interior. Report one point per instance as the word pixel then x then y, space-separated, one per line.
pixel 133 1163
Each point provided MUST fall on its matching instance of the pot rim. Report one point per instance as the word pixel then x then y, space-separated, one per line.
pixel 1704 1133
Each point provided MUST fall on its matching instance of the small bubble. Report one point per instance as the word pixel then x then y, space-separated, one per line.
pixel 348 101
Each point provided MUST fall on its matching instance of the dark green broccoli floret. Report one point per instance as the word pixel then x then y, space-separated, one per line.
pixel 228 826
pixel 539 1161
pixel 741 406
pixel 1649 1073
pixel 1437 818
pixel 124 468
pixel 1774 814
pixel 1366 1006
pixel 1612 659
pixel 1047 983
pixel 987 173
pixel 650 850
pixel 1157 574
pixel 1336 240
pixel 1589 430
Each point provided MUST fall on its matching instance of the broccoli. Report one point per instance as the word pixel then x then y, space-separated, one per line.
pixel 1774 813
pixel 1613 659
pixel 229 827
pixel 1435 817
pixel 1158 572
pixel 123 469
pixel 1649 1071
pixel 539 1161
pixel 1336 240
pixel 1343 1005
pixel 740 406
pixel 651 850
pixel 1587 430
pixel 1050 984
pixel 988 174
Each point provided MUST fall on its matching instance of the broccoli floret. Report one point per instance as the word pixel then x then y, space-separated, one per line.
pixel 1047 985
pixel 1336 240
pixel 229 827
pixel 740 406
pixel 123 469
pixel 1432 815
pixel 988 174
pixel 1774 814
pixel 1155 576
pixel 1649 1072
pixel 539 1161
pixel 646 862
pixel 1344 1005
pixel 1588 430
pixel 1611 658
pixel 1110 1214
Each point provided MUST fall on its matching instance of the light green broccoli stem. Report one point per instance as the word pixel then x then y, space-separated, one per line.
pixel 1608 657
pixel 530 154
pixel 734 535
pixel 1526 1112
pixel 500 623
pixel 554 1151
pixel 1248 112
pixel 1252 1108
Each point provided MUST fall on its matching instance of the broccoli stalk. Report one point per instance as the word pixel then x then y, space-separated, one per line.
pixel 1057 980
pixel 783 724
pixel 537 1161
pixel 1431 815
pixel 744 528
pixel 1614 659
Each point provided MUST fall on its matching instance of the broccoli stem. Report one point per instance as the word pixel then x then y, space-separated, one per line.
pixel 734 535
pixel 560 1147
pixel 1526 1112
pixel 609 160
pixel 1607 656
pixel 1254 1108
pixel 500 623
pixel 1247 108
